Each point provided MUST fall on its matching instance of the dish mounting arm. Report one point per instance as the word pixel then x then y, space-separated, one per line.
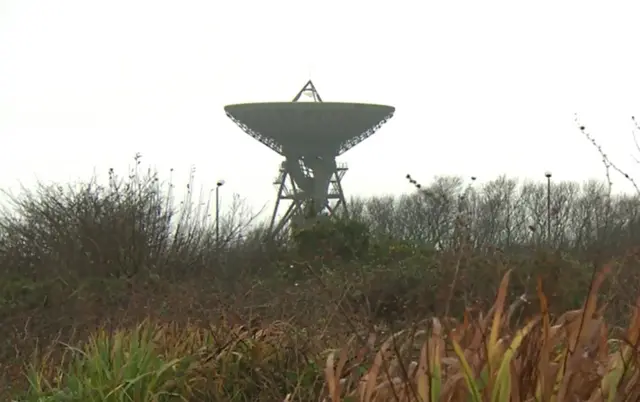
pixel 309 90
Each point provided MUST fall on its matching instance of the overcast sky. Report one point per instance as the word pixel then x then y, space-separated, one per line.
pixel 480 88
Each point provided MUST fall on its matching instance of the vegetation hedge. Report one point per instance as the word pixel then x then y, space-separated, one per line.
pixel 118 292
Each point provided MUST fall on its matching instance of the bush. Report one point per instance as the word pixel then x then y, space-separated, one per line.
pixel 480 358
pixel 87 256
pixel 89 230
pixel 339 238
pixel 163 362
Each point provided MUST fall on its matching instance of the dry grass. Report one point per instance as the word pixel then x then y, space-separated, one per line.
pixel 164 361
pixel 113 293
pixel 482 357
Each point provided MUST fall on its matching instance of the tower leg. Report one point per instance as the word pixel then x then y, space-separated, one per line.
pixel 311 186
pixel 287 191
pixel 282 177
pixel 342 202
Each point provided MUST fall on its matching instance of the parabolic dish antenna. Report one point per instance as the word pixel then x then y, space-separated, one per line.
pixel 310 135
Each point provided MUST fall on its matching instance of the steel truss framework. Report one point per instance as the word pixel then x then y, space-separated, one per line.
pixel 302 206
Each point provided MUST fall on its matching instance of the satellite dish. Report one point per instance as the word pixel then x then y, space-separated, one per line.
pixel 310 135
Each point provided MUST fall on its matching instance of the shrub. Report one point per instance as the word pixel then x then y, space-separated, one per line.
pixel 342 238
pixel 92 230
pixel 163 362
pixel 76 258
pixel 482 357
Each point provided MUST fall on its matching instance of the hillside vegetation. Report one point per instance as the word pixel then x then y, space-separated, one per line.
pixel 121 293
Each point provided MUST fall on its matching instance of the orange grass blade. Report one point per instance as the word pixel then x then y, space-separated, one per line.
pixel 372 374
pixel 495 326
pixel 429 374
pixel 579 327
pixel 633 332
pixel 589 308
pixel 499 305
pixel 342 360
pixel 611 380
pixel 592 299
pixel 422 376
pixel 544 388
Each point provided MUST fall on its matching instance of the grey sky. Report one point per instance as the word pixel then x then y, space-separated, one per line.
pixel 481 88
